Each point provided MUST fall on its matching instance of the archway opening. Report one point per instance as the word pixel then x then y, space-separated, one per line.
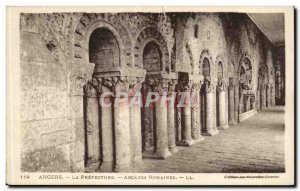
pixel 103 50
pixel 205 67
pixel 152 57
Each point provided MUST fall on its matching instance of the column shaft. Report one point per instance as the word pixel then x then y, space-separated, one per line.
pixel 171 123
pixel 231 105
pixel 186 120
pixel 196 116
pixel 136 136
pixel 210 117
pixel 122 136
pixel 222 112
pixel 161 130
pixel 107 136
pixel 92 127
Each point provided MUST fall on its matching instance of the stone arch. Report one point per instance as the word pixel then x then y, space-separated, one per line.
pixel 89 22
pixel 147 35
pixel 220 67
pixel 206 56
pixel 104 50
pixel 152 57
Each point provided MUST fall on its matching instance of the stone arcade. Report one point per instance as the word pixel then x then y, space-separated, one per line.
pixel 68 60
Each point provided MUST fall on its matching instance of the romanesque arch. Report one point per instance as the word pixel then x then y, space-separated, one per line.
pixel 104 50
pixel 151 34
pixel 206 61
pixel 89 22
pixel 220 67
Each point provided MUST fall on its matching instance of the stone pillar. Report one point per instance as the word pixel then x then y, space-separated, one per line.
pixel 236 103
pixel 171 117
pixel 178 116
pixel 135 127
pixel 186 115
pixel 122 127
pixel 258 99
pixel 147 121
pixel 262 97
pixel 246 102
pixel 161 150
pixel 252 102
pixel 268 96
pixel 231 106
pixel 92 125
pixel 209 95
pixel 79 73
pixel 196 113
pixel 221 88
pixel 107 137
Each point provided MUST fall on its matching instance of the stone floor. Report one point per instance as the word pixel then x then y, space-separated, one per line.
pixel 254 145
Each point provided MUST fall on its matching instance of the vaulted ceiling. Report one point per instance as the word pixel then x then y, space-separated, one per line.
pixel 271 24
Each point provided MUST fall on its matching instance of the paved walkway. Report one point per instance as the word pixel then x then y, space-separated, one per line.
pixel 254 145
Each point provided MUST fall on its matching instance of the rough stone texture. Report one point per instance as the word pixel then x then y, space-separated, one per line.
pixel 263 132
pixel 55 65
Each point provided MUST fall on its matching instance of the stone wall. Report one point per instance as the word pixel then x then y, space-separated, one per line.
pixel 55 65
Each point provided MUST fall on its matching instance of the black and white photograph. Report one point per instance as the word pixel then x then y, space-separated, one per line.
pixel 164 96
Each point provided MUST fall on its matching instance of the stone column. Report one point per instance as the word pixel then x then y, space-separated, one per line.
pixel 257 99
pixel 268 97
pixel 221 88
pixel 252 102
pixel 171 117
pixel 161 149
pixel 262 97
pixel 147 121
pixel 107 145
pixel 122 127
pixel 92 125
pixel 79 73
pixel 196 113
pixel 236 103
pixel 246 102
pixel 186 115
pixel 178 116
pixel 231 103
pixel 209 95
pixel 135 127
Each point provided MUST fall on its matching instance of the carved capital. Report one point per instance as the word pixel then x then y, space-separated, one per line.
pixel 79 75
pixel 171 85
pixel 90 90
pixel 222 87
pixel 157 83
pixel 209 87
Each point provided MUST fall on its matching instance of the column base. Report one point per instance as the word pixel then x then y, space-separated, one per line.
pixel 233 122
pixel 211 133
pixel 223 127
pixel 122 168
pixel 186 143
pixel 137 165
pixel 162 154
pixel 200 138
pixel 106 167
pixel 173 149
